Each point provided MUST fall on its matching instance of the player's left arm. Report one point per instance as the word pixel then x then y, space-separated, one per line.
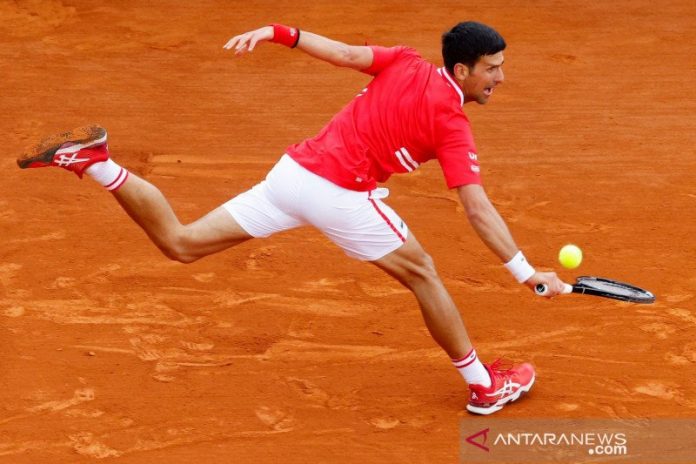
pixel 332 51
pixel 493 231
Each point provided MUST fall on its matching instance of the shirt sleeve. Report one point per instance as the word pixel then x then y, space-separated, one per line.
pixel 382 58
pixel 457 153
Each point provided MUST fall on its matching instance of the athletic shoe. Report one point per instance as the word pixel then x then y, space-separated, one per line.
pixel 507 384
pixel 75 150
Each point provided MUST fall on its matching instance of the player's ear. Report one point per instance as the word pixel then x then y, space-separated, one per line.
pixel 461 71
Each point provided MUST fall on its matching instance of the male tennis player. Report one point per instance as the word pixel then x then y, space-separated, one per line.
pixel 409 113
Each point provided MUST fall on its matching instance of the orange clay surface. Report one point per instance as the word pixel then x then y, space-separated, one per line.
pixel 284 350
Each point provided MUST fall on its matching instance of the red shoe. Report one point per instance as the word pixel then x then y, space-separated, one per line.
pixel 75 150
pixel 507 384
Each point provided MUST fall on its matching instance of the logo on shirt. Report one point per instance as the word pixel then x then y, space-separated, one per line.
pixel 473 156
pixel 406 160
pixel 475 169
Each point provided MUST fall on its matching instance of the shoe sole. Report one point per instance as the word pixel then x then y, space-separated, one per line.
pixel 486 410
pixel 44 151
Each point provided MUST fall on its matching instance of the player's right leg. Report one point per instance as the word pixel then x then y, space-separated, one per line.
pixel 369 230
pixel 414 268
pixel 85 151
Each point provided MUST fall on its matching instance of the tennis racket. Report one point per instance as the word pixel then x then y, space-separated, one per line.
pixel 606 288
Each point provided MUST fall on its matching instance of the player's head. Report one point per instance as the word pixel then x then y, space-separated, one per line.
pixel 473 54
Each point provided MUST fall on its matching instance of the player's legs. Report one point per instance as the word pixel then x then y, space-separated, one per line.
pixel 148 207
pixel 414 268
pixel 359 222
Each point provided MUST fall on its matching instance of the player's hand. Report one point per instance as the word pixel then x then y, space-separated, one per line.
pixel 554 285
pixel 245 43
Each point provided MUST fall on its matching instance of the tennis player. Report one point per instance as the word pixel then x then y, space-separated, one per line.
pixel 410 112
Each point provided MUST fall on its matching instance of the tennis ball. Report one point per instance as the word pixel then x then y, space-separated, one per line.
pixel 570 256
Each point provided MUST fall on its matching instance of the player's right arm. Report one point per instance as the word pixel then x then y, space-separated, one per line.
pixel 320 47
pixel 493 231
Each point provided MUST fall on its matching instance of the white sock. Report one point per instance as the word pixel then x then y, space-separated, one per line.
pixel 472 369
pixel 108 174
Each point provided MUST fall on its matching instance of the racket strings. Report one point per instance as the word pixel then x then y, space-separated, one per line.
pixel 615 289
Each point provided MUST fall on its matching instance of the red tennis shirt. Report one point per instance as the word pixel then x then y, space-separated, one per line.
pixel 411 112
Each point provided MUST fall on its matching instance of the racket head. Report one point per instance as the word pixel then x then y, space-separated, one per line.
pixel 609 288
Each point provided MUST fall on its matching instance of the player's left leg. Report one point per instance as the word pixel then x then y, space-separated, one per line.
pixel 85 151
pixel 254 213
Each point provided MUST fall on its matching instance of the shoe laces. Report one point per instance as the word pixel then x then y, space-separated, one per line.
pixel 501 366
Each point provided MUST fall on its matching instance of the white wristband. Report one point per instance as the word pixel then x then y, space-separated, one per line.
pixel 520 268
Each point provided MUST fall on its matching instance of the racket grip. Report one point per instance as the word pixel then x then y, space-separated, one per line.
pixel 542 289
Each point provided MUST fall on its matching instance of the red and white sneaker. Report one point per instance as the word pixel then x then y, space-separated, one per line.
pixel 75 150
pixel 507 384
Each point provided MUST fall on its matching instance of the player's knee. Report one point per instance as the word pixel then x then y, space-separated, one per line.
pixel 183 258
pixel 176 255
pixel 426 267
pixel 175 249
pixel 421 269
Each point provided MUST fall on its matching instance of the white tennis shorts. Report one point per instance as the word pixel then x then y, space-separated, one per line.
pixel 291 196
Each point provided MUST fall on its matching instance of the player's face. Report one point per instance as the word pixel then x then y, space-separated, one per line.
pixel 483 78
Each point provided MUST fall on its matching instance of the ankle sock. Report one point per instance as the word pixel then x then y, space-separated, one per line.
pixel 471 368
pixel 108 174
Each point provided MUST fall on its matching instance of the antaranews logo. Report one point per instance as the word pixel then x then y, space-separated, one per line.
pixel 484 434
pixel 578 440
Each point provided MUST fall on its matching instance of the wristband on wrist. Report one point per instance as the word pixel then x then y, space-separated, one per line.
pixel 520 268
pixel 284 35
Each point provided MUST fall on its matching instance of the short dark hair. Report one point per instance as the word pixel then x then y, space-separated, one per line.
pixel 467 42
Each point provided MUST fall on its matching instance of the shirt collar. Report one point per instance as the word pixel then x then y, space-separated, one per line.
pixel 444 73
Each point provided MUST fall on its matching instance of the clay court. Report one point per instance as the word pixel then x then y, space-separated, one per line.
pixel 284 350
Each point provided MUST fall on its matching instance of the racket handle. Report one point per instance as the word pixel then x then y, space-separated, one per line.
pixel 542 289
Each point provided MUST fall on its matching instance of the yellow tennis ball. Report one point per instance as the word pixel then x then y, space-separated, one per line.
pixel 570 256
